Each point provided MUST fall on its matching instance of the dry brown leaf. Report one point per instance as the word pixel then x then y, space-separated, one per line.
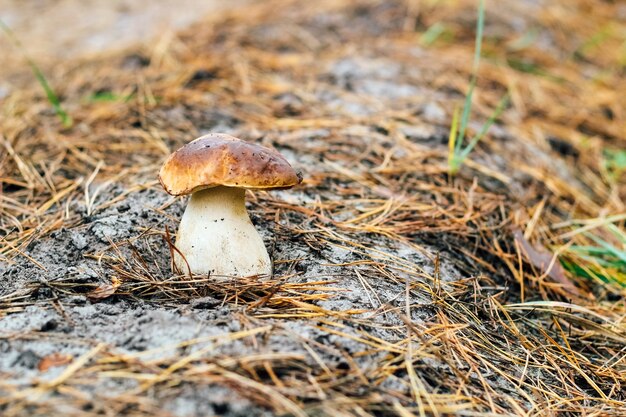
pixel 104 290
pixel 54 359
pixel 542 259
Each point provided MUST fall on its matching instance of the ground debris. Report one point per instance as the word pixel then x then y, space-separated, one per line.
pixel 397 290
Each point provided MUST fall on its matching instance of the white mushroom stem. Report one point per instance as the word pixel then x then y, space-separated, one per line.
pixel 217 237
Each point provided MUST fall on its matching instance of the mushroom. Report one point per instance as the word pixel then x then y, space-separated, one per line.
pixel 216 236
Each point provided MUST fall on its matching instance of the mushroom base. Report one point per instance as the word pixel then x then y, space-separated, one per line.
pixel 217 238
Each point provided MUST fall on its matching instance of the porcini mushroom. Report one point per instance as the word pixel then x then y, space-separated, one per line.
pixel 216 236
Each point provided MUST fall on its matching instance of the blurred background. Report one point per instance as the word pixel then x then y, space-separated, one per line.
pixel 71 28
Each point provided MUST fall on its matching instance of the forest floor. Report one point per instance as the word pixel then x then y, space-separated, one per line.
pixel 398 289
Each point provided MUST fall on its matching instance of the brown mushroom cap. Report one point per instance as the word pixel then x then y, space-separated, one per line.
pixel 218 159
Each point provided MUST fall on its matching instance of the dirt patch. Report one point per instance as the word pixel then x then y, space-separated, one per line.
pixel 397 288
pixel 65 29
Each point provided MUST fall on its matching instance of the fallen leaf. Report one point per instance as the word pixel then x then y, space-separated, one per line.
pixel 52 360
pixel 104 290
pixel 545 261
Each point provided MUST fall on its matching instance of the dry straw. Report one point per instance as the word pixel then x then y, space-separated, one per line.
pixel 512 335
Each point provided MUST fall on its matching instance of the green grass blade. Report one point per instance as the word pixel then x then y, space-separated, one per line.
pixel 593 273
pixel 596 258
pixel 612 250
pixel 452 153
pixel 50 94
pixel 618 233
pixel 432 34
pixel 465 117
pixel 480 24
pixel 483 131
pixel 587 250
pixel 479 35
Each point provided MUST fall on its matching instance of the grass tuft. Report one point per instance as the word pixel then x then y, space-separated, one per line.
pixel 65 118
pixel 600 256
pixel 458 153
